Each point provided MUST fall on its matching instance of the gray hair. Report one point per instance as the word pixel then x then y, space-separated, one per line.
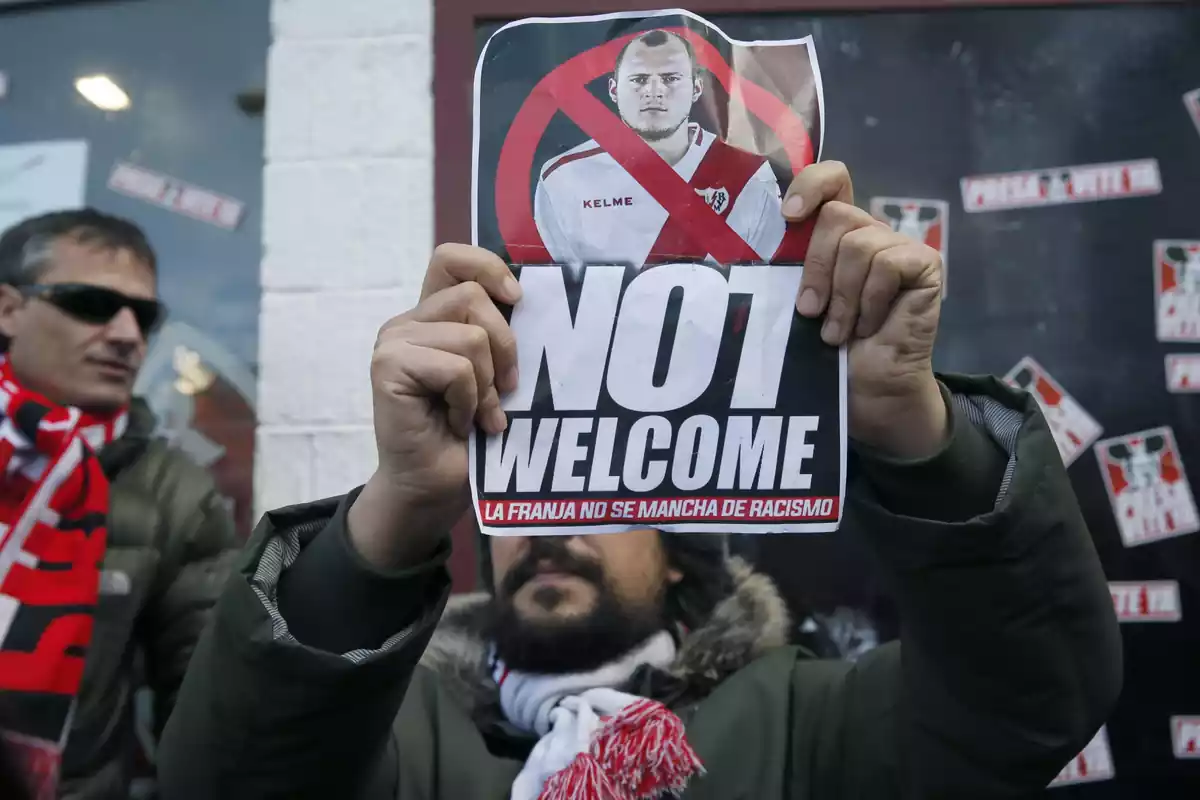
pixel 25 247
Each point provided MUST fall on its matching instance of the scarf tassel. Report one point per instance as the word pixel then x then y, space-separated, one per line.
pixel 640 753
pixel 582 779
pixel 646 747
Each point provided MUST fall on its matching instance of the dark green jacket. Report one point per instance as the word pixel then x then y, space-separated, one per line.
pixel 171 544
pixel 1010 657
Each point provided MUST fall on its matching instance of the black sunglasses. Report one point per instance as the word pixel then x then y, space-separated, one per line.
pixel 97 305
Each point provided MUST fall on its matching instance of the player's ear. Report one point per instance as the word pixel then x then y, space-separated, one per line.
pixel 697 88
pixel 612 88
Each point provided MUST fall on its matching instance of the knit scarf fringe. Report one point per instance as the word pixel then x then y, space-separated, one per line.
pixel 639 754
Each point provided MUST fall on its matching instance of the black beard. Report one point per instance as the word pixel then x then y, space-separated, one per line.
pixel 554 647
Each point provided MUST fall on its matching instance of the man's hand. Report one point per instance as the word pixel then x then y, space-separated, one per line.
pixel 880 292
pixel 437 370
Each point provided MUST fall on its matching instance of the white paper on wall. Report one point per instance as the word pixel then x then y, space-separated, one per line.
pixel 1147 485
pixel 1177 290
pixel 1183 372
pixel 1147 601
pixel 37 177
pixel 1094 763
pixel 1185 736
pixel 176 195
pixel 1081 183
pixel 1073 428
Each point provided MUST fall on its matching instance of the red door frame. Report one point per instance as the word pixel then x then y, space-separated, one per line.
pixel 454 25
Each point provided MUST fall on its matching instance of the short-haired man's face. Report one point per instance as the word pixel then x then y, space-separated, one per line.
pixel 568 603
pixel 654 88
pixel 71 361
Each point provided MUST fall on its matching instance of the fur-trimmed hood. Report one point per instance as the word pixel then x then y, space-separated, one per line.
pixel 751 621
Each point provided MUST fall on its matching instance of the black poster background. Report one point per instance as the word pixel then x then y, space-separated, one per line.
pixel 516 59
pixel 913 102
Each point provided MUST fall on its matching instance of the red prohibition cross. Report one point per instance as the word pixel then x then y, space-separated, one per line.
pixel 565 89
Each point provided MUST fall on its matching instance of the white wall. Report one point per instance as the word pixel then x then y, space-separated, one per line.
pixel 348 226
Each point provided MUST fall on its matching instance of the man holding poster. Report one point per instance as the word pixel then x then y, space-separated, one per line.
pixel 323 674
pixel 645 662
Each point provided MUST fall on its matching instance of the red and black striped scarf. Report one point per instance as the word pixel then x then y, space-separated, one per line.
pixel 53 514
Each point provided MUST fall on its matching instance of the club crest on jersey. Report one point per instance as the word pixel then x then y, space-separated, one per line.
pixel 717 199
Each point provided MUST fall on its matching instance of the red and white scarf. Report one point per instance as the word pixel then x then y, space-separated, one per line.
pixel 53 516
pixel 597 743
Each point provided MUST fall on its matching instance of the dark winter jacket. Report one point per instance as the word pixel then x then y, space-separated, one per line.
pixel 171 544
pixel 1010 658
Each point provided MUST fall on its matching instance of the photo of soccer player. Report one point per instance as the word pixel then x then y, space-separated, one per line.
pixel 640 139
pixel 584 197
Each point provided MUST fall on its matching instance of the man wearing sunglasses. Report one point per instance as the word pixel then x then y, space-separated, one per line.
pixel 77 306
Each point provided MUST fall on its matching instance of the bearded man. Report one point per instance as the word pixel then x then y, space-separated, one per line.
pixel 636 664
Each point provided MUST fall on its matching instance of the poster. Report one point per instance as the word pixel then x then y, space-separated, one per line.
pixel 631 167
pixel 1177 290
pixel 38 177
pixel 1074 430
pixel 1147 486
pixel 924 220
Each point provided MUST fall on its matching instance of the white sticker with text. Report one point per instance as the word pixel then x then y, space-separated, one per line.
pixel 176 195
pixel 1058 185
pixel 1150 601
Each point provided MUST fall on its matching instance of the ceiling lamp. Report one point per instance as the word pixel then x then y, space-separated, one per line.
pixel 100 91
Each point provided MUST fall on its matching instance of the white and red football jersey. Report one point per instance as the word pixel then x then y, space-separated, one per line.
pixel 589 210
